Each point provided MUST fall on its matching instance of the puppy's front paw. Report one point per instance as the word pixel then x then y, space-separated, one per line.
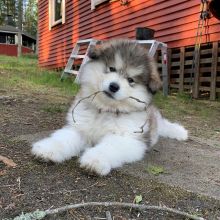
pixel 94 162
pixel 48 150
pixel 181 134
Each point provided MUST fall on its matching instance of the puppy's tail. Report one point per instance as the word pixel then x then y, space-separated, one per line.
pixel 171 130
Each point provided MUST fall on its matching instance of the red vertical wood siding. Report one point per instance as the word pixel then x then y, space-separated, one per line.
pixel 175 23
pixel 26 50
pixel 11 49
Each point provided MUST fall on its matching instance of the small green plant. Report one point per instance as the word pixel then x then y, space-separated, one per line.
pixel 155 170
pixel 138 199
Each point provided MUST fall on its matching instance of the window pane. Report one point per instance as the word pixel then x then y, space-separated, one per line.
pixel 10 39
pixel 26 41
pixel 3 38
pixel 58 11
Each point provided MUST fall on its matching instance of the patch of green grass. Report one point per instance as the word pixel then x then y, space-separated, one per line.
pixel 200 117
pixel 30 55
pixel 182 105
pixel 184 96
pixel 54 108
pixel 24 72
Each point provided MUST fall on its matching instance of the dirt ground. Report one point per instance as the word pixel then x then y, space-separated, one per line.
pixel 33 185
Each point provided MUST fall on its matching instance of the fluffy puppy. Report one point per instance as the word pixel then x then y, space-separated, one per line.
pixel 111 121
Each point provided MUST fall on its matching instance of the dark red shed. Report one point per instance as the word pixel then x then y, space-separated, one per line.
pixel 8 41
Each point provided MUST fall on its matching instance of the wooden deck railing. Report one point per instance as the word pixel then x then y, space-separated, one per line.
pixel 202 78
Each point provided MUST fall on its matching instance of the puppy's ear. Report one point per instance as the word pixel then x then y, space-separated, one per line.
pixel 94 52
pixel 155 82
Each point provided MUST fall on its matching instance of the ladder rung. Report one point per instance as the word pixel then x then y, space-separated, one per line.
pixel 74 72
pixel 75 55
pixel 78 56
pixel 85 41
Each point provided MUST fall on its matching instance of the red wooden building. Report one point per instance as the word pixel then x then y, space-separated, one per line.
pixel 8 41
pixel 63 22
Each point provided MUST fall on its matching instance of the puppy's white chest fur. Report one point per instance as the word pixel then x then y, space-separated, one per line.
pixel 94 124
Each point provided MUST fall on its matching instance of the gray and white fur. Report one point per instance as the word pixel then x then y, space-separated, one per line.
pixel 106 131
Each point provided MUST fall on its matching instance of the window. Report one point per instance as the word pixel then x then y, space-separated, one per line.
pixel 3 38
pixel 56 12
pixel 10 39
pixel 94 3
pixel 7 38
pixel 27 42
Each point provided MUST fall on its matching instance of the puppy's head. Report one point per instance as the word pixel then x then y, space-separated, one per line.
pixel 121 69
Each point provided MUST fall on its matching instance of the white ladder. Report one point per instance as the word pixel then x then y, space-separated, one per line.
pixel 74 55
pixel 154 46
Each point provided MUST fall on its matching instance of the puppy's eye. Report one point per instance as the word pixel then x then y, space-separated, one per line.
pixel 112 69
pixel 130 80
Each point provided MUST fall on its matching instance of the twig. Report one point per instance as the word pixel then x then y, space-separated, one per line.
pixel 125 205
pixel 87 97
pixel 42 214
pixel 8 185
pixel 94 95
pixel 108 215
pixel 142 127
pixel 7 161
pixel 19 183
pixel 3 97
pixel 132 203
pixel 146 108
pixel 138 100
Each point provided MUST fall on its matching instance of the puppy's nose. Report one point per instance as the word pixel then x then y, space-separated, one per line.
pixel 114 87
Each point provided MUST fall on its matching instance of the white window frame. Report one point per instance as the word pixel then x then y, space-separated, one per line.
pixel 52 21
pixel 94 3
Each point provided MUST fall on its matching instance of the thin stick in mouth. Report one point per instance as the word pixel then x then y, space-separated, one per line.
pixel 138 100
pixel 87 97
pixel 96 93
pixel 146 107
